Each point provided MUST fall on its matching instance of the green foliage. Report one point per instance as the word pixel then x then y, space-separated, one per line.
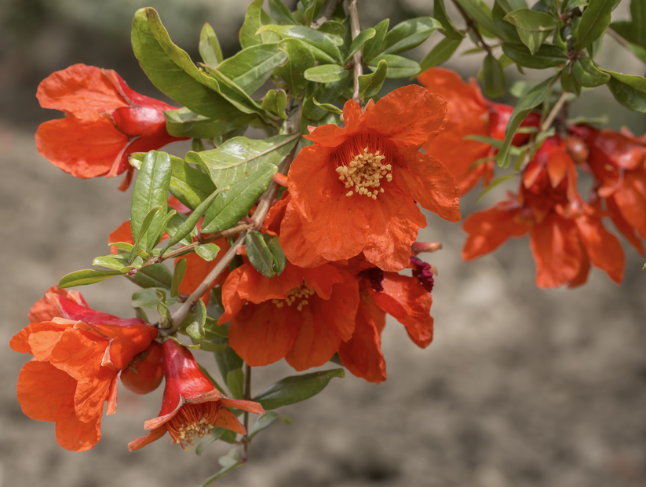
pixel 291 390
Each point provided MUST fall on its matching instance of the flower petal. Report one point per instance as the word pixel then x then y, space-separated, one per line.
pixel 123 233
pixel 226 419
pixel 315 343
pixel 154 435
pixel 73 434
pixel 557 251
pixel 42 388
pixel 631 200
pixel 427 181
pixel 408 116
pixel 489 229
pixel 296 247
pixel 263 333
pixel 362 355
pixel 408 302
pixel 85 149
pixel 603 248
pixel 251 406
pixel 83 91
pixel 623 226
pixel 339 311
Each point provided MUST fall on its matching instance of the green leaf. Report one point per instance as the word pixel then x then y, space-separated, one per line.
pixel 148 219
pixel 279 259
pixel 628 90
pixel 480 12
pixel 185 123
pixel 325 93
pixel 569 84
pixel 121 245
pixel 265 420
pixel 587 74
pixel 638 16
pixel 594 22
pixel 259 254
pixel 547 56
pixel 196 329
pixel 511 5
pixel 300 59
pixel 358 43
pixel 370 84
pixel 232 92
pixel 441 53
pixel 178 275
pixel 235 383
pixel 186 227
pixel 227 359
pixel 328 107
pixel 296 388
pixel 398 67
pixel 494 77
pixel 496 182
pixel 210 49
pixel 409 34
pixel 156 275
pixel 531 99
pixel 533 27
pixel 254 18
pixel 234 205
pixel 208 251
pixel 372 47
pixel 327 73
pixel 175 223
pixel 321 45
pixel 275 102
pixel 332 27
pixel 240 157
pixel 450 31
pixel 113 261
pixel 172 71
pixel 149 297
pixel 85 277
pixel 151 190
pixel 280 12
pixel 253 66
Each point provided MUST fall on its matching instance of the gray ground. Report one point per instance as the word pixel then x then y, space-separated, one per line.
pixel 520 387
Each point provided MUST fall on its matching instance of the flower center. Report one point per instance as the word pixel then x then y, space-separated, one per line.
pixel 297 296
pixel 362 163
pixel 193 421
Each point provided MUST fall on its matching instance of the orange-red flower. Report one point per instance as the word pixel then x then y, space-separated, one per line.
pixel 78 355
pixel 469 113
pixel 191 405
pixel 105 121
pixel 355 189
pixel 566 235
pixel 407 299
pixel 301 315
pixel 618 163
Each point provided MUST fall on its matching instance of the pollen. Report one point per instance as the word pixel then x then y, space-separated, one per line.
pixel 362 164
pixel 297 296
pixel 193 421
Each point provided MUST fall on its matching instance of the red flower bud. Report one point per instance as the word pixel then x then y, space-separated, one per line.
pixel 144 373
pixel 577 149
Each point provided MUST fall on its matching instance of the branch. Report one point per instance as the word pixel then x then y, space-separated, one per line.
pixel 326 13
pixel 358 61
pixel 472 26
pixel 554 112
pixel 246 396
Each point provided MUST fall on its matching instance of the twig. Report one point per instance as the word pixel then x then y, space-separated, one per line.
pixel 554 112
pixel 326 13
pixel 617 37
pixel 357 60
pixel 191 247
pixel 472 26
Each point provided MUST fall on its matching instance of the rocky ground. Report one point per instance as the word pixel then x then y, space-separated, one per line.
pixel 521 387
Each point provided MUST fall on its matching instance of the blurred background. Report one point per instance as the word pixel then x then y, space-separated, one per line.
pixel 521 387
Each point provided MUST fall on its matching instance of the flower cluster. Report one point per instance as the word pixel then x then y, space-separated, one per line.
pixel 567 234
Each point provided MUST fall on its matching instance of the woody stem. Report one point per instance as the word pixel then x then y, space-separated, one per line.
pixel 326 13
pixel 554 112
pixel 357 60
pixel 472 27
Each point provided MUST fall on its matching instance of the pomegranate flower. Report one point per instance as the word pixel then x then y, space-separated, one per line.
pixel 78 356
pixel 302 315
pixel 105 122
pixel 355 189
pixel 566 235
pixel 191 405
pixel 469 113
